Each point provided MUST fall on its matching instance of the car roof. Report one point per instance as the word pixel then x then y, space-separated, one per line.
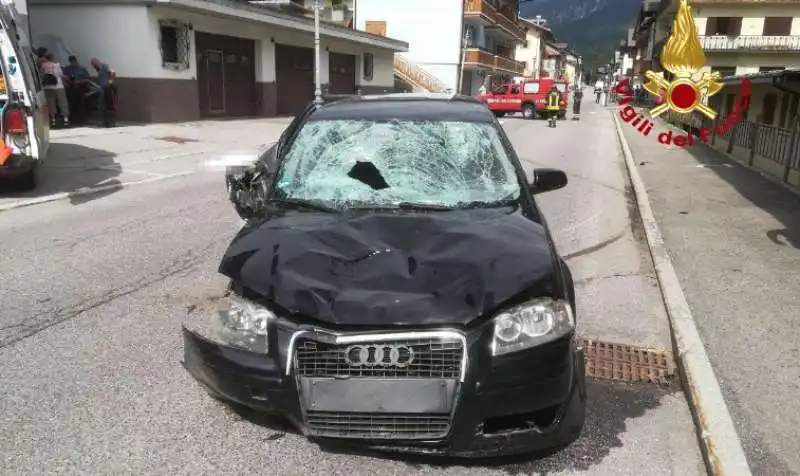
pixel 405 106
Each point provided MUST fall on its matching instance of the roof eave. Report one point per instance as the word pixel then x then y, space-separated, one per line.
pixel 249 12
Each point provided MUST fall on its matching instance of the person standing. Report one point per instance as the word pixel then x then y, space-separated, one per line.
pixel 554 103
pixel 53 79
pixel 576 104
pixel 106 79
pixel 79 79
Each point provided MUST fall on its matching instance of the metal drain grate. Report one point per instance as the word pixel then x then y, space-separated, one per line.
pixel 628 363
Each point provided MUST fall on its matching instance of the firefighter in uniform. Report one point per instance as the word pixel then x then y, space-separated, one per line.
pixel 576 103
pixel 554 103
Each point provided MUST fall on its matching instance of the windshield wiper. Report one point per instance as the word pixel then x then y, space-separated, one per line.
pixel 496 204
pixel 303 203
pixel 423 206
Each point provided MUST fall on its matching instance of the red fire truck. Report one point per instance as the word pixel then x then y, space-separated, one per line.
pixel 526 96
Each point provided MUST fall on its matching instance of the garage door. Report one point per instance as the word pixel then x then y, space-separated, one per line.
pixel 226 75
pixel 342 70
pixel 294 77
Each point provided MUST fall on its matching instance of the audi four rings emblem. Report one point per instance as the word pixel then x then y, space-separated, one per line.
pixel 375 355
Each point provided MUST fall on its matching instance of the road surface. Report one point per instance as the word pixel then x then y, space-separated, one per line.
pixel 94 288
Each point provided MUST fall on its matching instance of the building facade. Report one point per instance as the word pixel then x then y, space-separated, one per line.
pixel 740 37
pixel 532 51
pixel 182 60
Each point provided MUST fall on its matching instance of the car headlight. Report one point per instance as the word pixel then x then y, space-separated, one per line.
pixel 530 324
pixel 234 321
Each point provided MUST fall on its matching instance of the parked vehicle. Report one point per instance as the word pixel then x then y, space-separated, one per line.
pixel 396 286
pixel 526 97
pixel 24 118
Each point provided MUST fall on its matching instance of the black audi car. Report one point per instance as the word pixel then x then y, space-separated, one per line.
pixel 395 286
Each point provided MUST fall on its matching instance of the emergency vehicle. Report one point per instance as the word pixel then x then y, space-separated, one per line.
pixel 526 96
pixel 24 117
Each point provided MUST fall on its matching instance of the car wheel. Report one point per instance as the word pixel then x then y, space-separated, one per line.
pixel 499 114
pixel 528 111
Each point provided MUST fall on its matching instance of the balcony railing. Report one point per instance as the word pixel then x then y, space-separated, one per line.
pixel 482 8
pixel 485 59
pixel 490 15
pixel 510 26
pixel 750 43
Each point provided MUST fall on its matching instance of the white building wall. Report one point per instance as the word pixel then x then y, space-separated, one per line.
pixel 431 28
pixel 531 53
pixel 79 27
pixel 752 25
pixel 111 33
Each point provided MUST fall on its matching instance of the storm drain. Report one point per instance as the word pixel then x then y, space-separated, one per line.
pixel 628 363
pixel 176 139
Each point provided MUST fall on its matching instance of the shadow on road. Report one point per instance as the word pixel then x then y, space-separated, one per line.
pixel 611 404
pixel 70 168
pixel 782 204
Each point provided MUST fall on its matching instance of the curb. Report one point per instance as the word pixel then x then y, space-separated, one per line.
pixel 720 444
pixel 87 191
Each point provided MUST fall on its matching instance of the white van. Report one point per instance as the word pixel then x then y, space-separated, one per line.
pixel 24 118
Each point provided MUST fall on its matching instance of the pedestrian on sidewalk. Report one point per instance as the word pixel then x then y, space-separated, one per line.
pixel 53 79
pixel 106 79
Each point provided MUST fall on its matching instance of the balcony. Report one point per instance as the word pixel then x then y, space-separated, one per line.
pixel 480 9
pixel 493 19
pixel 754 43
pixel 481 59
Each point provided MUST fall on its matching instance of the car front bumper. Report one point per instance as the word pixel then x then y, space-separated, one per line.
pixel 524 402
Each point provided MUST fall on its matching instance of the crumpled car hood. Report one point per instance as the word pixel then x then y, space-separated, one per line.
pixel 391 269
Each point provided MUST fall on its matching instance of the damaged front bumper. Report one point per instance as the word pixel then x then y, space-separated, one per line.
pixel 454 399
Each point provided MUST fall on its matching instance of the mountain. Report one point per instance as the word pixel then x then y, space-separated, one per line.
pixel 592 28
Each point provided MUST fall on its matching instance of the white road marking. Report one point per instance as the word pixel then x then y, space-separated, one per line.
pixel 87 191
pixel 722 448
pixel 702 166
pixel 127 170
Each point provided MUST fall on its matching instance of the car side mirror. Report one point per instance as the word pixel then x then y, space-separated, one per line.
pixel 247 189
pixel 546 180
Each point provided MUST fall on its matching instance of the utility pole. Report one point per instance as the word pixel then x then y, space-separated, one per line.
pixel 464 45
pixel 317 80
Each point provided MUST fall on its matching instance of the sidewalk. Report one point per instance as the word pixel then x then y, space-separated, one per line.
pixel 734 238
pixel 86 158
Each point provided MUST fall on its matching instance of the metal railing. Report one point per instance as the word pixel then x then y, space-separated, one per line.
pixel 490 60
pixel 750 43
pixel 416 76
pixel 776 144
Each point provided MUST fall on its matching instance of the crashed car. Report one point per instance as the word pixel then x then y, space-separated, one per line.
pixel 395 286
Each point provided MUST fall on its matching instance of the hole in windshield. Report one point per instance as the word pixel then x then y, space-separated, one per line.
pixel 382 164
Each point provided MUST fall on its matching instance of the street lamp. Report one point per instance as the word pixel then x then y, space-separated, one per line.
pixel 317 83
pixel 467 36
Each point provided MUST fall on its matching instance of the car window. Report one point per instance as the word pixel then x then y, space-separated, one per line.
pixel 356 163
pixel 515 90
pixel 530 88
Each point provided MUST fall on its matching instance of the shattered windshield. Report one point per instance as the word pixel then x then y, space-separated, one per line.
pixel 356 163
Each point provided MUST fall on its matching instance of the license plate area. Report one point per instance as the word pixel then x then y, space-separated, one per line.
pixel 371 395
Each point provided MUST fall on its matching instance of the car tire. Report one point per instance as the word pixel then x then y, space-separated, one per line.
pixel 499 114
pixel 528 111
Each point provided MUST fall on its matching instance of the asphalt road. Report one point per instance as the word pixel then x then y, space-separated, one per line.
pixel 92 292
pixel 734 238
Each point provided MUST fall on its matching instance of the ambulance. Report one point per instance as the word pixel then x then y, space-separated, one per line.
pixel 24 117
